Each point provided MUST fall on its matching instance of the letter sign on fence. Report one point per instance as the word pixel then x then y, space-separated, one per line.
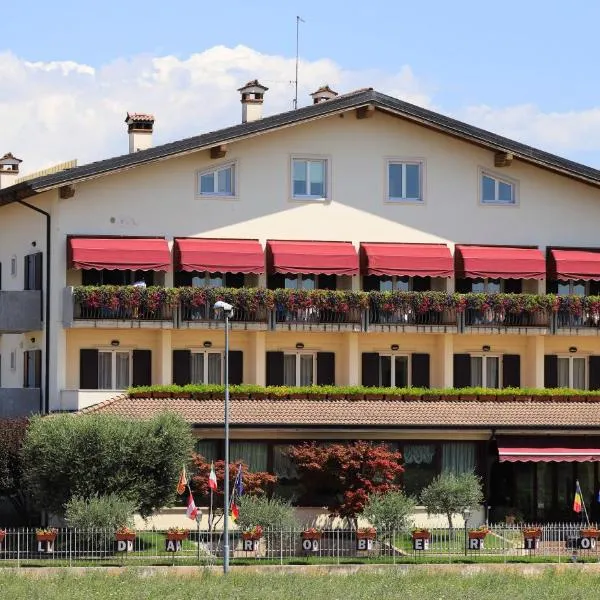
pixel 420 544
pixel 310 545
pixel 475 544
pixel 586 543
pixel 124 545
pixel 45 547
pixel 532 543
pixel 250 545
pixel 172 546
pixel 363 544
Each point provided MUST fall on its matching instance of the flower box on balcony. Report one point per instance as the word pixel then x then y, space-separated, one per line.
pixel 431 397
pixel 202 395
pixel 468 397
pixel 395 397
pixel 336 396
pixel 161 394
pixel 374 396
pixel 412 397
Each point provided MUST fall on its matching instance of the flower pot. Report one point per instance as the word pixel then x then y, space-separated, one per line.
pixel 182 395
pixel 259 395
pixel 590 533
pixel 239 396
pixel 45 537
pixel 430 397
pixel 477 535
pixel 177 537
pixel 298 396
pixel 487 397
pixel 125 537
pixel 395 397
pixel 336 396
pixel 374 396
pixel 412 397
pixel 139 394
pixel 161 394
pixel 202 395
pixel 468 397
pixel 311 535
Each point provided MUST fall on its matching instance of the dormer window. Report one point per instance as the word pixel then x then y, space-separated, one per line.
pixel 217 182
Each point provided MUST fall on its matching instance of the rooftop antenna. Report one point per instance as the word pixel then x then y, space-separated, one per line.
pixel 298 20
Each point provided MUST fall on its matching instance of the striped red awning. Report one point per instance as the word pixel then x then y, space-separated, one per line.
pixel 498 262
pixel 407 260
pixel 119 254
pixel 301 257
pixel 541 454
pixel 574 264
pixel 219 255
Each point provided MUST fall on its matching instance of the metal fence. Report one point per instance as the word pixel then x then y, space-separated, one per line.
pixel 503 543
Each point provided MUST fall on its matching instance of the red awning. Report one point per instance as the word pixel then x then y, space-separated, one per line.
pixel 219 256
pixel 409 260
pixel 574 264
pixel 549 454
pixel 120 254
pixel 495 262
pixel 326 258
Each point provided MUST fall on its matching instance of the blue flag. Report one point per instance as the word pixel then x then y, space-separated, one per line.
pixel 238 486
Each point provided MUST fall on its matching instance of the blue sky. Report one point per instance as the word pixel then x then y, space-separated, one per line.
pixel 526 69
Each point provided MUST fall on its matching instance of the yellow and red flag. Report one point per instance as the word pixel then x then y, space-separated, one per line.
pixel 578 499
pixel 182 483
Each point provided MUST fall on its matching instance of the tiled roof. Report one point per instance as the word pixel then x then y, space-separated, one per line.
pixel 343 102
pixel 363 413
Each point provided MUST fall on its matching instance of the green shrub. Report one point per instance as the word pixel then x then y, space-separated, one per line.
pixel 269 513
pixel 390 511
pixel 99 512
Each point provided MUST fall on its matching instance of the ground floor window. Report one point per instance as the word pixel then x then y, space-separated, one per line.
pixel 394 370
pixel 485 371
pixel 299 369
pixel 206 367
pixel 571 371
pixel 114 369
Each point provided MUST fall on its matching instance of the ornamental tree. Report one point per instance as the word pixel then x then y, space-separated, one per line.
pixel 255 484
pixel 349 472
pixel 12 434
pixel 96 455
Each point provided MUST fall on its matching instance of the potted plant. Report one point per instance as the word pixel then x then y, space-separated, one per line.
pixel 312 533
pixel 125 534
pixel 590 532
pixel 479 533
pixel 46 534
pixel 420 539
pixel 532 532
pixel 253 533
pixel 177 534
pixel 366 533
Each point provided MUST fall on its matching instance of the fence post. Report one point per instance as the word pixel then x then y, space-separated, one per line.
pixel 281 546
pixel 18 549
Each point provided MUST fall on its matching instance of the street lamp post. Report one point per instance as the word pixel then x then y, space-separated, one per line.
pixel 466 516
pixel 227 312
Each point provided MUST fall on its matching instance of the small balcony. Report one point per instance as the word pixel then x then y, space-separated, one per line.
pixel 488 318
pixel 19 402
pixel 204 316
pixel 20 311
pixel 577 315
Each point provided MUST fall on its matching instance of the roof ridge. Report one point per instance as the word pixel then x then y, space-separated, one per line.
pixel 103 404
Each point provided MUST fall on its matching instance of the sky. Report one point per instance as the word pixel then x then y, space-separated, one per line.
pixel 69 71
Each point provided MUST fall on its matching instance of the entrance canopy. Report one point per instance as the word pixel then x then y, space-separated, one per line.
pixel 546 450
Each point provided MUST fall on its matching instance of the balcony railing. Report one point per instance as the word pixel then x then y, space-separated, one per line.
pixel 363 310
pixel 501 318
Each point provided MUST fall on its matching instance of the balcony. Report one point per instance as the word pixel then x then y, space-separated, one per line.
pixel 20 311
pixel 19 402
pixel 331 311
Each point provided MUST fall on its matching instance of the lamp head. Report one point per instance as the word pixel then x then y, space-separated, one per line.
pixel 225 307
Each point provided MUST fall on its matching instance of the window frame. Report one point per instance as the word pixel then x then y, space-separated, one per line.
pixel 206 279
pixel 299 277
pixel 572 283
pixel 571 358
pixel 486 283
pixel 497 180
pixel 393 355
pixel 420 162
pixel 485 356
pixel 113 366
pixel 326 160
pixel 214 171
pixel 298 354
pixel 395 279
pixel 206 352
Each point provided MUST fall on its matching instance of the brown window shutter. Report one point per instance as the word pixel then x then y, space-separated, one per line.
pixel 182 367
pixel 462 370
pixel 142 368
pixel 550 371
pixel 594 368
pixel 370 369
pixel 420 370
pixel 274 368
pixel 511 371
pixel 88 369
pixel 236 367
pixel 325 368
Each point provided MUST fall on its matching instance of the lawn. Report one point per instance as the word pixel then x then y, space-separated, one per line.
pixel 421 584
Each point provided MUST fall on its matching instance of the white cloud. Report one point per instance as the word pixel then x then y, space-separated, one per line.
pixel 56 111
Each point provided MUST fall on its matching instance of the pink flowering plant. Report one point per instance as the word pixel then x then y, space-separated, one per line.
pixel 333 300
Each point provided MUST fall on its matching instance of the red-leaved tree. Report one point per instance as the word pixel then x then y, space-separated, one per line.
pixel 255 484
pixel 350 472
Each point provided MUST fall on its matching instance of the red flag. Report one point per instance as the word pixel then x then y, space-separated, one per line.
pixel 578 499
pixel 212 478
pixel 192 510
pixel 182 483
pixel 235 511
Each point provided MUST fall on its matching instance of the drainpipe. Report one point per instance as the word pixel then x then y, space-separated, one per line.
pixel 45 402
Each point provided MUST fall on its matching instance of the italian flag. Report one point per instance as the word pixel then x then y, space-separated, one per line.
pixel 212 478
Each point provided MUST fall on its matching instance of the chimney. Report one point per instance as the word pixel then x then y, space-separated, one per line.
pixel 9 169
pixel 139 127
pixel 252 100
pixel 323 94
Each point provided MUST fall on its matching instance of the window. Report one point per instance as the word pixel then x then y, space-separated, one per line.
pixel 206 367
pixel 114 369
pixel 13 266
pixel 572 288
pixel 394 370
pixel 485 371
pixel 572 372
pixel 299 369
pixel 209 280
pixel 115 277
pixel 33 272
pixel 395 283
pixel 486 285
pixel 220 182
pixel 404 181
pixel 309 178
pixel 253 454
pixel 497 191
pixel 300 282
pixel 32 369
